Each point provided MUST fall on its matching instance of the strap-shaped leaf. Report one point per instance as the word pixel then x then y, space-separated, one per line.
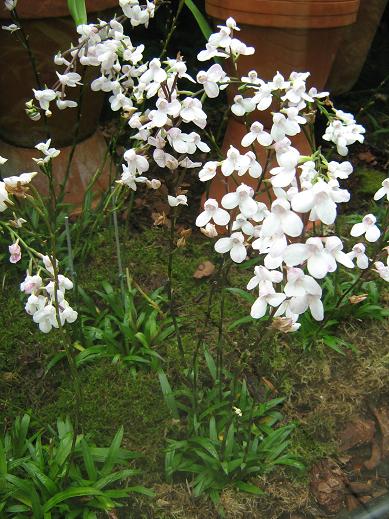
pixel 78 11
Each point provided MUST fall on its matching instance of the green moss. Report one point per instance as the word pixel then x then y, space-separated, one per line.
pixel 369 180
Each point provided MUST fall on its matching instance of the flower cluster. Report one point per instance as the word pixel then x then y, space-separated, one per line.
pixel 292 234
pixel 46 302
pixel 304 193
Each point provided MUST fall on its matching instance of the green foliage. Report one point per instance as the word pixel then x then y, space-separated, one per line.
pixel 369 180
pixel 126 327
pixel 78 11
pixel 200 19
pixel 63 478
pixel 338 308
pixel 227 438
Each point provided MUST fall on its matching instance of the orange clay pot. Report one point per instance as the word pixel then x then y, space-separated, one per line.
pixel 288 35
pixel 49 28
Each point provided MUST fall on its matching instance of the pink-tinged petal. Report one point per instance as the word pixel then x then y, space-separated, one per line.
pixel 276 299
pixel 326 211
pixel 203 218
pixel 248 139
pixel 303 202
pixel 238 253
pixel 316 308
pixel 358 229
pixel 344 259
pixel 223 245
pixel 276 276
pixel 248 207
pixel 211 89
pixel 292 224
pixel 318 266
pixel 230 201
pixel 221 217
pixel 372 233
pixel 299 305
pixel 258 309
pixel 296 254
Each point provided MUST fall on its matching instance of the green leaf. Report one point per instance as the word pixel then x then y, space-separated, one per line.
pixel 78 11
pixel 250 489
pixel 200 19
pixel 88 461
pixel 241 293
pixel 229 441
pixel 113 452
pixel 68 494
pixel 210 363
pixel 168 394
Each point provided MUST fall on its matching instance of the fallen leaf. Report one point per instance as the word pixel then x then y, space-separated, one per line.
pixel 352 503
pixel 204 270
pixel 360 487
pixel 328 485
pixel 357 432
pixel 375 456
pixel 382 416
pixel 367 156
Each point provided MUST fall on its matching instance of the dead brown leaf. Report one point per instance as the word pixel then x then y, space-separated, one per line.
pixel 204 270
pixel 357 432
pixel 382 416
pixel 367 156
pixel 328 485
pixel 375 456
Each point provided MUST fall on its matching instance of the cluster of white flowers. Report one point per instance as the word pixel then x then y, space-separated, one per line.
pixel 46 303
pixel 304 191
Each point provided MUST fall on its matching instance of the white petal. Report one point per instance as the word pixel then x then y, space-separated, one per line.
pixel 238 253
pixel 317 266
pixel 303 202
pixel 258 309
pixel 296 254
pixel 230 200
pixel 223 245
pixel 248 207
pixel 221 217
pixel 358 229
pixel 203 218
pixel 326 211
pixel 292 224
pixel 248 139
pixel 316 308
pixel 372 233
pixel 276 299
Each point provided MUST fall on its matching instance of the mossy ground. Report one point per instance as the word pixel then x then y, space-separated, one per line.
pixel 322 389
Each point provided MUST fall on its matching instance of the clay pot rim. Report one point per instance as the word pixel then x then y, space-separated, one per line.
pixel 29 10
pixel 317 14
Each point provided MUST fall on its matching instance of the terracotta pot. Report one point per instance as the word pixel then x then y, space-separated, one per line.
pixel 300 35
pixel 53 8
pixel 352 54
pixel 49 30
